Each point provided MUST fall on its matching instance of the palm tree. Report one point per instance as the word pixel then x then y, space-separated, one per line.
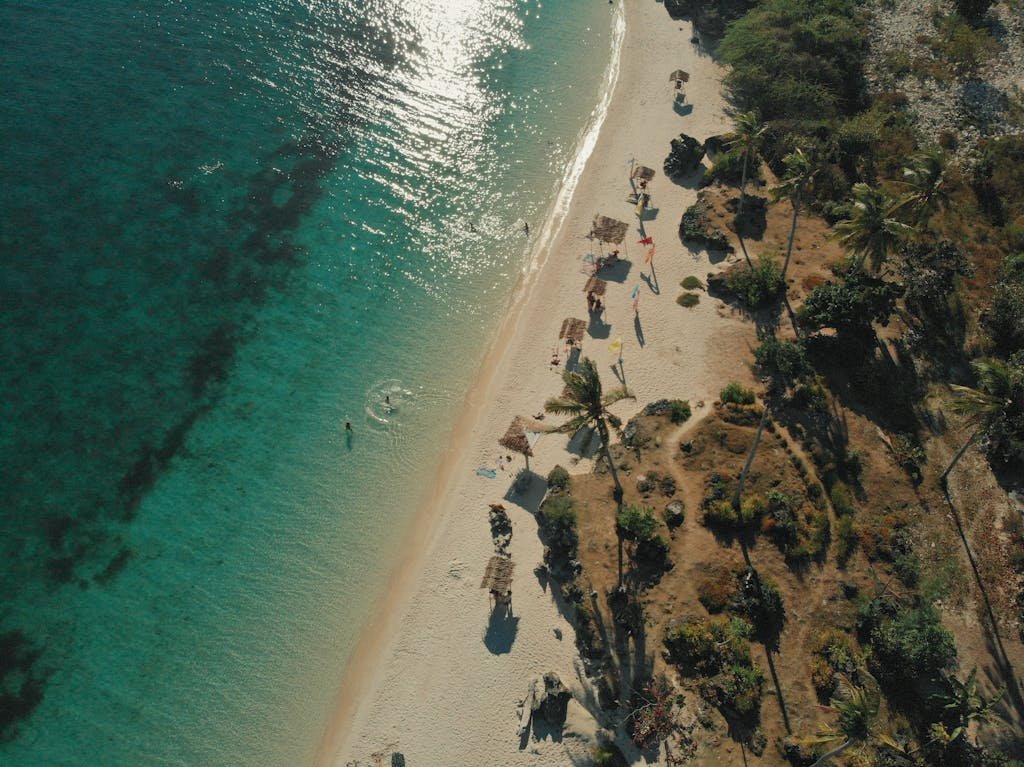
pixel 588 405
pixel 858 723
pixel 747 137
pixel 965 705
pixel 925 181
pixel 800 171
pixel 872 232
pixel 984 405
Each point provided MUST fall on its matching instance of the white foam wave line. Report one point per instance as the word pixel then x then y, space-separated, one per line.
pixel 588 140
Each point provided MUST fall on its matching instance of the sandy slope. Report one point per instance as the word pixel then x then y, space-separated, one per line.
pixel 434 678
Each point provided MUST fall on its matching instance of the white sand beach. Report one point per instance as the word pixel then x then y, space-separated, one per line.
pixel 433 677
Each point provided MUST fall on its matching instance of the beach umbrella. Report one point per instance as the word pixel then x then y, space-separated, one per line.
pixel 679 75
pixel 572 329
pixel 521 436
pixel 608 229
pixel 595 285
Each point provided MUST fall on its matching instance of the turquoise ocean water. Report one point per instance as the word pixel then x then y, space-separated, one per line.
pixel 226 229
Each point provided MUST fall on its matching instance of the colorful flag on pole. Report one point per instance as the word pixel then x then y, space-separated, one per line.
pixel 646 241
pixel 616 345
pixel 650 255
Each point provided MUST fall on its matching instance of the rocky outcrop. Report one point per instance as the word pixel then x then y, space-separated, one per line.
pixel 552 702
pixel 675 513
pixel 501 528
pixel 684 156
pixel 709 17
pixel 695 228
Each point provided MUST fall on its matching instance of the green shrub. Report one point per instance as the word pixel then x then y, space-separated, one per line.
pixel 728 168
pixel 702 646
pixel 691 283
pixel 558 478
pixel 720 514
pixel 833 656
pixel 718 589
pixel 681 411
pixel 785 359
pixel 846 538
pixel 740 689
pixel 908 646
pixel 558 522
pixel 962 45
pixel 797 59
pixel 684 155
pixel 636 523
pixel 688 300
pixel 758 286
pixel 1004 319
pixel 850 306
pixel 841 502
pixel 736 394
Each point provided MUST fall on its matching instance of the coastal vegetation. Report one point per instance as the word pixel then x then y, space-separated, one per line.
pixel 845 565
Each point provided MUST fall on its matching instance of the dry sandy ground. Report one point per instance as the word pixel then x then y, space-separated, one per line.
pixel 437 676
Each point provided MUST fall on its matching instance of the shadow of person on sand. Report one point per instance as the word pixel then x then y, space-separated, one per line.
pixel 639 329
pixel 501 630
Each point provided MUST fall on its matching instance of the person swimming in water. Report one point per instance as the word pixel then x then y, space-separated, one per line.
pixel 348 426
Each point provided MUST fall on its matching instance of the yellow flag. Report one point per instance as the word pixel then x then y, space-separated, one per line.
pixel 616 345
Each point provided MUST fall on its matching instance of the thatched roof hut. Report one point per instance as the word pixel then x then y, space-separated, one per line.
pixel 521 435
pixel 573 329
pixel 609 229
pixel 595 285
pixel 498 576
pixel 679 75
pixel 643 173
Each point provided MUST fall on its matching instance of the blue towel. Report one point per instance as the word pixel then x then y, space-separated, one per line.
pixel 483 471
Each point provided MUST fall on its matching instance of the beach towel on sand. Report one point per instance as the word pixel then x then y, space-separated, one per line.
pixel 483 471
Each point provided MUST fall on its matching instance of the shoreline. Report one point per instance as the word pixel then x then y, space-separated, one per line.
pixel 423 638
pixel 369 653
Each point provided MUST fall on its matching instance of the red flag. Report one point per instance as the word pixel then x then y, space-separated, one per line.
pixel 646 241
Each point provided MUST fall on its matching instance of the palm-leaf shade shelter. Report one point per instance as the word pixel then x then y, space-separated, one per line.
pixel 643 173
pixel 521 436
pixel 498 577
pixel 573 329
pixel 609 229
pixel 595 285
pixel 679 75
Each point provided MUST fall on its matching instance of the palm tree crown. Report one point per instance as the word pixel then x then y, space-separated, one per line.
pixel 587 404
pixel 872 232
pixel 925 181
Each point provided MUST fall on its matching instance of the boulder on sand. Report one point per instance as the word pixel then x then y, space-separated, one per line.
pixel 552 702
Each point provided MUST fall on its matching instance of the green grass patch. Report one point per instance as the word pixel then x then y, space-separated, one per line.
pixel 688 300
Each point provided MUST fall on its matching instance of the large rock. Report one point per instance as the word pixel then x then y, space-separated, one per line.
pixel 684 156
pixel 551 703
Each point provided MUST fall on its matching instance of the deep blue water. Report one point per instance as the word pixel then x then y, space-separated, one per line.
pixel 227 229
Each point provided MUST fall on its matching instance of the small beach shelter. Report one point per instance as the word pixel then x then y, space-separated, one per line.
pixel 643 173
pixel 680 76
pixel 498 577
pixel 607 229
pixel 595 285
pixel 522 435
pixel 573 329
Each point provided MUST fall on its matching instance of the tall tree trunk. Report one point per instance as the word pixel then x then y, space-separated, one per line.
pixel 750 460
pixel 602 430
pixel 834 752
pixel 739 210
pixel 789 248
